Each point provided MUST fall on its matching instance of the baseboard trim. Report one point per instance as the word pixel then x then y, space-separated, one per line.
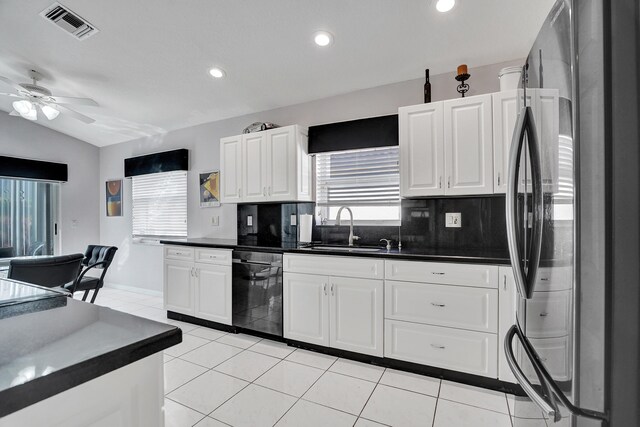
pixel 111 285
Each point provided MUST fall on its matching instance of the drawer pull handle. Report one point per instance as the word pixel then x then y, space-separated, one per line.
pixel 544 314
pixel 544 279
pixel 435 304
pixel 437 273
pixel 439 347
pixel 212 257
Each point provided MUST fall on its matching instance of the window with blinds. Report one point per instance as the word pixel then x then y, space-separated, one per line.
pixel 160 204
pixel 366 180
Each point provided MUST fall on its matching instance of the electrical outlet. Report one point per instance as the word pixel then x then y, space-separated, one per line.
pixel 215 220
pixel 249 221
pixel 453 220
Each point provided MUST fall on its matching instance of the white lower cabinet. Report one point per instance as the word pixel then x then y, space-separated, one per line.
pixel 507 318
pixel 443 315
pixel 455 349
pixel 178 286
pixel 212 299
pixel 305 306
pixel 333 311
pixel 199 289
pixel 356 315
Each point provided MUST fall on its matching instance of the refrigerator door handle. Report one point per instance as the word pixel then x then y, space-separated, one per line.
pixel 525 280
pixel 528 388
pixel 549 386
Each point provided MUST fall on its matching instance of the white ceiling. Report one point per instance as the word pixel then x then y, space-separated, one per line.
pixel 147 67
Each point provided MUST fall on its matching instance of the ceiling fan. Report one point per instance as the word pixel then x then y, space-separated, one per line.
pixel 32 98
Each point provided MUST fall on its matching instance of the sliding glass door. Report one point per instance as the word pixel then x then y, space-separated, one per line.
pixel 28 217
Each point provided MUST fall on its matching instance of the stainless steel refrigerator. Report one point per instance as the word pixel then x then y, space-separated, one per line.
pixel 556 224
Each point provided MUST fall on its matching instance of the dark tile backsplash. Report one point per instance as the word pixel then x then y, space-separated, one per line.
pixel 423 225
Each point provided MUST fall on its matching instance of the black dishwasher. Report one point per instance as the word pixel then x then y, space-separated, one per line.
pixel 257 291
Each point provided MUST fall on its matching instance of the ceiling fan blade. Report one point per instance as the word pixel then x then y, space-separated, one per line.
pixel 11 83
pixel 71 113
pixel 73 100
pixel 13 95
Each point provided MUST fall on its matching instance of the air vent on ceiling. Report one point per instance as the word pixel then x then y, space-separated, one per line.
pixel 69 21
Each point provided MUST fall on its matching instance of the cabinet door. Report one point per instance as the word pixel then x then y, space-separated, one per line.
pixel 421 150
pixel 468 145
pixel 178 286
pixel 506 319
pixel 281 164
pixel 213 293
pixel 231 169
pixel 305 308
pixel 356 315
pixel 505 116
pixel 254 167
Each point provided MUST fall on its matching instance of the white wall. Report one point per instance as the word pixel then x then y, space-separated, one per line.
pixel 79 196
pixel 140 265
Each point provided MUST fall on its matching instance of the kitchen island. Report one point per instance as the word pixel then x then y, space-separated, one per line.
pixel 68 362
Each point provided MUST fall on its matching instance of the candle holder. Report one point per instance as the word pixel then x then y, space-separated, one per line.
pixel 463 87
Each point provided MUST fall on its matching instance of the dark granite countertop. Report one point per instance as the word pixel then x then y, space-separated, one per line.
pixel 53 343
pixel 439 255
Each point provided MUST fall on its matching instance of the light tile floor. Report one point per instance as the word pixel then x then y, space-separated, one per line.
pixel 215 379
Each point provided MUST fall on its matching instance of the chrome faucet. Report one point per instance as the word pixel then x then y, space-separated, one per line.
pixel 351 236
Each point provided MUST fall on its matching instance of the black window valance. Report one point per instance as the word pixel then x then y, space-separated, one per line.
pixel 167 161
pixel 14 167
pixel 355 134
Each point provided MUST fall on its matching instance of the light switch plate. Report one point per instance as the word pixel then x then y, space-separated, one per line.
pixel 215 220
pixel 249 221
pixel 453 220
pixel 294 220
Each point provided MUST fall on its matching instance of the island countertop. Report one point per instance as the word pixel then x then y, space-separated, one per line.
pixel 50 343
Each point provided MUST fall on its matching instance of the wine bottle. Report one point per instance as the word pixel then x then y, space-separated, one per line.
pixel 427 87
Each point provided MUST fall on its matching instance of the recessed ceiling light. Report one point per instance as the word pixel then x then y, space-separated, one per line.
pixel 218 73
pixel 323 38
pixel 445 5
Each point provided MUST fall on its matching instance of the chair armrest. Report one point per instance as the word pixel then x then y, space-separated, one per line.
pixel 82 274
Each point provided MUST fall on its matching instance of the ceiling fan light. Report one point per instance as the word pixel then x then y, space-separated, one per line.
pixel 31 115
pixel 50 112
pixel 23 107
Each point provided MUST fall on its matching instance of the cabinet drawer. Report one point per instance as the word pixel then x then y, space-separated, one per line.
pixel 214 256
pixel 448 348
pixel 554 279
pixel 347 266
pixel 442 305
pixel 485 276
pixel 555 354
pixel 549 314
pixel 179 252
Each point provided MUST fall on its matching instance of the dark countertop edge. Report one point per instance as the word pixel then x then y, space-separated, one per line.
pixel 29 393
pixel 381 254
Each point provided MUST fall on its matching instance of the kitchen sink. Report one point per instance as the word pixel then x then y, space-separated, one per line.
pixel 345 248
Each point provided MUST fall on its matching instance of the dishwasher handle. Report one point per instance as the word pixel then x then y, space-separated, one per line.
pixel 251 262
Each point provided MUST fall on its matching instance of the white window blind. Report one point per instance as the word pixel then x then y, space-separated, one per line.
pixel 160 204
pixel 368 177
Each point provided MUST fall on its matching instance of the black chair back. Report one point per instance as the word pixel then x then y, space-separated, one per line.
pixel 99 254
pixel 51 271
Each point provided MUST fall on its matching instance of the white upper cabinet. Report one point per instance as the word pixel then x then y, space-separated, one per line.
pixel 273 165
pixel 468 145
pixel 421 150
pixel 446 148
pixel 546 113
pixel 231 169
pixel 505 115
pixel 254 165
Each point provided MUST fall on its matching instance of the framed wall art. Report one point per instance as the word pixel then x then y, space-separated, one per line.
pixel 209 189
